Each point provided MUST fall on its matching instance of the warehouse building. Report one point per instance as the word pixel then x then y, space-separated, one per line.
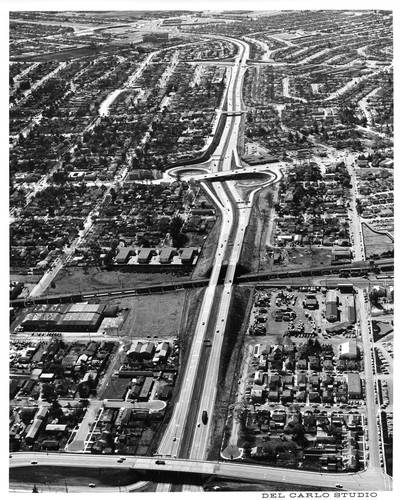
pixel 81 322
pixel 62 317
pixel 161 353
pixel 135 350
pixel 41 321
pixel 146 389
pixel 147 350
pixel 85 308
pixel 50 308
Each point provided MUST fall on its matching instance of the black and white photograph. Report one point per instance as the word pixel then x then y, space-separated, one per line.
pixel 201 248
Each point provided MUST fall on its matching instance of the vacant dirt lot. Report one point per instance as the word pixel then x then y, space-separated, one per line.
pixel 76 279
pixel 376 243
pixel 152 315
pixel 296 258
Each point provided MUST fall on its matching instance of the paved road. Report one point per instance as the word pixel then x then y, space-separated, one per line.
pixel 369 480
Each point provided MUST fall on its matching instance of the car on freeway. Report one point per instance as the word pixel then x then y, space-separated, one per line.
pixel 338 485
pixel 120 461
pixel 92 485
pixel 34 462
pixel 160 462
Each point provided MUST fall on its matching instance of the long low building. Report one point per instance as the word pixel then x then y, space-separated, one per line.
pixel 81 322
pixel 66 318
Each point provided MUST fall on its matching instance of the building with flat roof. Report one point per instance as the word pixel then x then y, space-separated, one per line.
pixel 188 255
pixel 146 389
pixel 167 254
pixel 124 254
pixel 85 308
pixel 354 386
pixel 145 255
pixel 348 350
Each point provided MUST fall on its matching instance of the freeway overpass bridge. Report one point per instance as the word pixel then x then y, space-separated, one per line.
pixel 163 469
pixel 351 270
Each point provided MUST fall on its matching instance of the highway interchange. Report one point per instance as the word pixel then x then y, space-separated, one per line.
pixel 235 214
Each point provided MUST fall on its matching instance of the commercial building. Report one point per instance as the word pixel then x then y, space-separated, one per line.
pixel 62 317
pixel 147 350
pixel 41 321
pixel 354 386
pixel 341 255
pixel 135 350
pixel 348 350
pixel 85 308
pixel 80 322
pixel 146 389
pixel 331 306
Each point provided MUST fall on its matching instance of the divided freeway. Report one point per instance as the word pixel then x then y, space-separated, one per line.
pixel 195 432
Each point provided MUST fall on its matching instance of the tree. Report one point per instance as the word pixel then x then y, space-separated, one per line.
pixel 35 489
pixel 175 231
pixel 48 391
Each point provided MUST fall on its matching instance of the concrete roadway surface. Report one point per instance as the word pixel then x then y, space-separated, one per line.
pixel 225 151
pixel 372 410
pixel 368 480
pixel 170 442
pixel 201 437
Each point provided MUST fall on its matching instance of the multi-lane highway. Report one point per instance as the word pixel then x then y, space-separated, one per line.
pixel 235 215
pixel 233 225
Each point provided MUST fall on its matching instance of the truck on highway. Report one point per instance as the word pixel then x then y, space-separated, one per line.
pixel 204 417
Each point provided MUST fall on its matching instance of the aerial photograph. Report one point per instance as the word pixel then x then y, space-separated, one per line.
pixel 201 251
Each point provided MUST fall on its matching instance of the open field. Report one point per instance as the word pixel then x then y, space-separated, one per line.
pixel 253 248
pixel 376 243
pixel 298 257
pixel 76 279
pixel 152 315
